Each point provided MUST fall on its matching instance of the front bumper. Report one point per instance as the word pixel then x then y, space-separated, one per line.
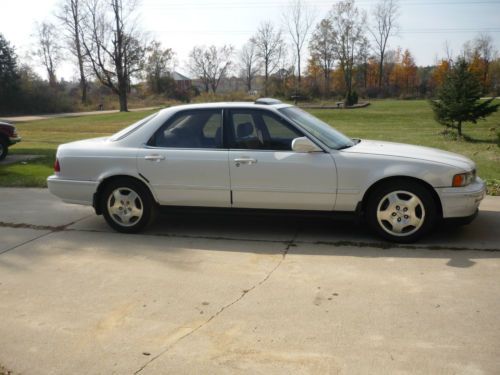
pixel 14 140
pixel 462 201
pixel 72 191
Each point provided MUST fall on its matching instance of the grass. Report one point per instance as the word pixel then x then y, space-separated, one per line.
pixel 412 122
pixel 42 138
pixel 391 120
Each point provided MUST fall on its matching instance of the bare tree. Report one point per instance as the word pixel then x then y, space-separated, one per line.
pixel 211 64
pixel 323 49
pixel 348 24
pixel 49 49
pixel 199 66
pixel 249 63
pixel 298 20
pixel 448 51
pixel 158 65
pixel 113 45
pixel 270 46
pixel 384 15
pixel 361 60
pixel 70 14
pixel 483 44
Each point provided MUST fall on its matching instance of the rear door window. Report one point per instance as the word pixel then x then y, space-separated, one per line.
pixel 190 129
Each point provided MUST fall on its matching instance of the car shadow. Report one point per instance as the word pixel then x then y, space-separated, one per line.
pixel 176 233
pixel 481 234
pixel 329 236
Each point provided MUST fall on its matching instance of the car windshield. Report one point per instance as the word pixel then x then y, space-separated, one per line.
pixel 319 129
pixel 132 128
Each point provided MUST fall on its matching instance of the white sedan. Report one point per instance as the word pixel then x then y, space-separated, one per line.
pixel 263 155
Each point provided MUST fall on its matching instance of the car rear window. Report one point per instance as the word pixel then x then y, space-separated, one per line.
pixel 132 128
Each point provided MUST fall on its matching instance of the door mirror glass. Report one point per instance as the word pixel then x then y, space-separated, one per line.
pixel 303 144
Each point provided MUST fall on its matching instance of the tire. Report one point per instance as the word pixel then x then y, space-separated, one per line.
pixel 4 148
pixel 401 211
pixel 127 205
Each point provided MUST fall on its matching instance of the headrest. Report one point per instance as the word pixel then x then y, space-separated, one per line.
pixel 244 130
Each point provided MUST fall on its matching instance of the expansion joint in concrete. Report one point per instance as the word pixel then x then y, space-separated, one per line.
pixel 244 293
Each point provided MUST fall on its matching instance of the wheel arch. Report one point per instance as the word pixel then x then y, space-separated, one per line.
pixel 96 201
pixel 395 179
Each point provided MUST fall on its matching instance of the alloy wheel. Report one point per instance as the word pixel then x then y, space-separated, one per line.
pixel 400 213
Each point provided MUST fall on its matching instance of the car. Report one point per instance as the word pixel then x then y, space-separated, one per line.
pixel 8 137
pixel 263 155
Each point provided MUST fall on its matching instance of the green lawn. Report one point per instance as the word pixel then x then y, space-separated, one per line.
pixel 391 120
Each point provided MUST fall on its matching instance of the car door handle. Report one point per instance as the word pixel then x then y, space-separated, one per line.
pixel 247 161
pixel 155 157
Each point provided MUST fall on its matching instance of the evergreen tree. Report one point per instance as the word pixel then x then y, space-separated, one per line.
pixel 458 100
pixel 9 79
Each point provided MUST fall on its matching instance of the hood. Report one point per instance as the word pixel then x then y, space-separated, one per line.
pixel 402 150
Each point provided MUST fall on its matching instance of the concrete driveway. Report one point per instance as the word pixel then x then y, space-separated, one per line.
pixel 247 295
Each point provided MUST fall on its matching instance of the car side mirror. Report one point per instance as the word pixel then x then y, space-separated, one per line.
pixel 303 144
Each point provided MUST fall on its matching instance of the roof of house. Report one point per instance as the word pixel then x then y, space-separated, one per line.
pixel 179 77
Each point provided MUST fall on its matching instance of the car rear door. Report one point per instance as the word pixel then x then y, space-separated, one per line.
pixel 266 173
pixel 185 161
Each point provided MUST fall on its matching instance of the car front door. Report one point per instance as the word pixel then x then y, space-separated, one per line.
pixel 266 173
pixel 185 161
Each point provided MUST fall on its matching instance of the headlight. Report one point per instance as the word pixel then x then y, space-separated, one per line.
pixel 464 179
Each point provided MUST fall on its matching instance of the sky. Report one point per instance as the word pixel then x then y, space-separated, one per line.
pixel 425 25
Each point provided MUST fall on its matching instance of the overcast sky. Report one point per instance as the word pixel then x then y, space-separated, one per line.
pixel 425 24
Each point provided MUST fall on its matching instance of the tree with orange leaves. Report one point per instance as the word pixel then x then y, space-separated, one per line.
pixel 409 70
pixel 440 72
pixel 404 74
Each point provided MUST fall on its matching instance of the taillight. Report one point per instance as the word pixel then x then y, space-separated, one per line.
pixel 57 167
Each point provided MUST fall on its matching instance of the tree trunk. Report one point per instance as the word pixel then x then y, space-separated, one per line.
pixel 365 75
pixel 83 81
pixel 83 86
pixel 52 79
pixel 327 84
pixel 348 82
pixel 380 71
pixel 298 66
pixel 459 128
pixel 266 76
pixel 123 101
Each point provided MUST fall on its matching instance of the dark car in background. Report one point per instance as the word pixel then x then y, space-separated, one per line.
pixel 8 137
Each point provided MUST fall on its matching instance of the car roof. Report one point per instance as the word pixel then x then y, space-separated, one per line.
pixel 249 105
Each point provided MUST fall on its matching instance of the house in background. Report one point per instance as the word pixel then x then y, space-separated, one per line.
pixel 182 82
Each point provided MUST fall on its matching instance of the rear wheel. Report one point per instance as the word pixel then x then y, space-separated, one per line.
pixel 4 148
pixel 401 211
pixel 127 205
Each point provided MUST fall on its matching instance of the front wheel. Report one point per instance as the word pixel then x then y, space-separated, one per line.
pixel 127 205
pixel 401 211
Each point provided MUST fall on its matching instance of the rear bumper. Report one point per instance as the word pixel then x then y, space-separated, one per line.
pixel 72 191
pixel 462 202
